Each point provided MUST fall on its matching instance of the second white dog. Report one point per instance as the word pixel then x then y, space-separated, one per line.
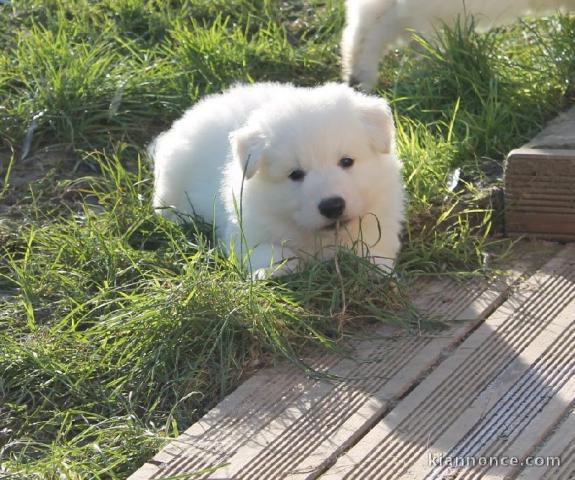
pixel 373 26
pixel 285 172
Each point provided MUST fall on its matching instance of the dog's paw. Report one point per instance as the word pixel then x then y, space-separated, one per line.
pixel 385 264
pixel 261 274
pixel 385 268
pixel 278 270
pixel 270 273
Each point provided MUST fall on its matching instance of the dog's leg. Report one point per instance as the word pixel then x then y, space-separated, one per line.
pixel 383 244
pixel 271 261
pixel 169 205
pixel 368 29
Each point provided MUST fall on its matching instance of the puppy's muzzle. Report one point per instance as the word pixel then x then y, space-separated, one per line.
pixel 332 207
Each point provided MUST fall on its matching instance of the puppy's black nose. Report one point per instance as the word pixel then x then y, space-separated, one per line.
pixel 332 207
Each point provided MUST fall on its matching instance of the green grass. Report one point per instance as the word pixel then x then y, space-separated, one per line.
pixel 118 328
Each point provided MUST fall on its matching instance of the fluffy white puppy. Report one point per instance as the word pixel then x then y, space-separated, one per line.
pixel 374 26
pixel 284 172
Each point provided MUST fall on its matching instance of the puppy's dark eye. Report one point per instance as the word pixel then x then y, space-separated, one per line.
pixel 297 175
pixel 346 162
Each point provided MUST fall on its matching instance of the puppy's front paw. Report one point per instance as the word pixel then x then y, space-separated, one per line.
pixel 265 265
pixel 385 264
pixel 261 274
pixel 270 272
pixel 385 267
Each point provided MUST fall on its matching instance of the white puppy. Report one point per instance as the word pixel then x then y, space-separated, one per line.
pixel 374 26
pixel 307 169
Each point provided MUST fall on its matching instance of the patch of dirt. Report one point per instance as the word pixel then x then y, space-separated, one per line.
pixel 39 179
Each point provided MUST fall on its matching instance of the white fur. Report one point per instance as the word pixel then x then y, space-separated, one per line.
pixel 268 130
pixel 374 26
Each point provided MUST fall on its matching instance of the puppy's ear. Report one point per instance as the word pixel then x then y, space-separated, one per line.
pixel 378 120
pixel 248 145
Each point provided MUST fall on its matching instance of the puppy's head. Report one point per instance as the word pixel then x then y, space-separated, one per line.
pixel 318 156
